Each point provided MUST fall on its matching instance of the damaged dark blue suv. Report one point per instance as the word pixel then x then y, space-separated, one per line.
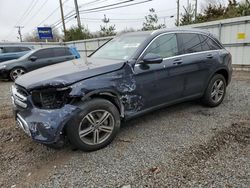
pixel 85 100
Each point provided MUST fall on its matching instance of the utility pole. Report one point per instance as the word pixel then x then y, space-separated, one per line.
pixel 195 10
pixel 77 14
pixel 178 13
pixel 19 32
pixel 62 15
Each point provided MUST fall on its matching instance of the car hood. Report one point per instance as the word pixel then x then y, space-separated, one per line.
pixel 9 62
pixel 67 73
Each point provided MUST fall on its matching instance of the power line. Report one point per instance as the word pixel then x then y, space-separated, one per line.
pixel 28 13
pixel 53 12
pixel 114 4
pixel 83 11
pixel 146 1
pixel 79 7
pixel 23 15
pixel 96 1
pixel 36 13
pixel 25 12
pixel 70 16
pixel 142 18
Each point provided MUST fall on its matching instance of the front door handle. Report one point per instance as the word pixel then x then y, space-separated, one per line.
pixel 177 61
pixel 210 56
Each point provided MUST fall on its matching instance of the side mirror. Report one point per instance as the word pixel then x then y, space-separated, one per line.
pixel 33 58
pixel 151 58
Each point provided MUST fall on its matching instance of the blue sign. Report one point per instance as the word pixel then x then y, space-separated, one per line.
pixel 45 32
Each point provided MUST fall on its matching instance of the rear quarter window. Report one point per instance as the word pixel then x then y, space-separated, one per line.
pixel 208 43
pixel 213 45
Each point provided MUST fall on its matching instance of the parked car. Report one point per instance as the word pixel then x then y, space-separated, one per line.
pixel 131 75
pixel 12 52
pixel 35 59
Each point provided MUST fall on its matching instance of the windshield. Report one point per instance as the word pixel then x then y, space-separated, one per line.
pixel 27 54
pixel 122 47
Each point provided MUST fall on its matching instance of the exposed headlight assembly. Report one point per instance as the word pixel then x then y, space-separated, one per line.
pixel 51 98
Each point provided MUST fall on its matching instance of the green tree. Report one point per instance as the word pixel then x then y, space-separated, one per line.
pixel 211 12
pixel 217 11
pixel 244 8
pixel 107 30
pixel 76 33
pixel 188 16
pixel 151 21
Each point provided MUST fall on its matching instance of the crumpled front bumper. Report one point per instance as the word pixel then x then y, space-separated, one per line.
pixel 44 126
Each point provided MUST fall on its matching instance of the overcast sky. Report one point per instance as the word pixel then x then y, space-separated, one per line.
pixel 33 13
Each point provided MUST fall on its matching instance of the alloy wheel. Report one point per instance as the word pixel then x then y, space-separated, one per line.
pixel 96 127
pixel 17 73
pixel 217 90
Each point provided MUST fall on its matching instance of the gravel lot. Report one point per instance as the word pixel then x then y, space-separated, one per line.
pixel 186 145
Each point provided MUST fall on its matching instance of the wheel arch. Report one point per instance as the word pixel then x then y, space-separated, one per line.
pixel 224 73
pixel 16 68
pixel 109 95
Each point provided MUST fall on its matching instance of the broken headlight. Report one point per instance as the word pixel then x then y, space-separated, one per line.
pixel 51 98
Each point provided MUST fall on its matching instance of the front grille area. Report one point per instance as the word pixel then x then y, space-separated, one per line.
pixel 22 91
pixel 19 96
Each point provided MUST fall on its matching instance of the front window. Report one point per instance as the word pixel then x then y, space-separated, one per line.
pixel 164 46
pixel 122 47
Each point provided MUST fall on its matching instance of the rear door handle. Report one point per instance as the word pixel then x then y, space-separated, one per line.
pixel 210 56
pixel 177 61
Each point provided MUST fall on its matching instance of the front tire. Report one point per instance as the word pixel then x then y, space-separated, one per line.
pixel 95 126
pixel 16 72
pixel 215 91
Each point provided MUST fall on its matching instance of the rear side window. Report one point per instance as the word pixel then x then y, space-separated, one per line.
pixel 44 53
pixel 190 43
pixel 165 46
pixel 11 49
pixel 208 44
pixel 23 49
pixel 61 52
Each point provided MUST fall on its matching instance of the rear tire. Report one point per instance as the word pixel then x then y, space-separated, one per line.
pixel 16 72
pixel 215 91
pixel 95 126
